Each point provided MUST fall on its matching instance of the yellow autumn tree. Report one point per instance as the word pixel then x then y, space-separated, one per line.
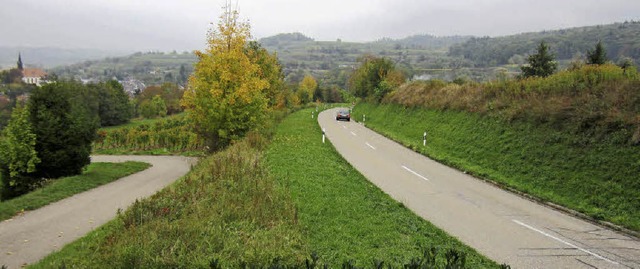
pixel 307 87
pixel 226 93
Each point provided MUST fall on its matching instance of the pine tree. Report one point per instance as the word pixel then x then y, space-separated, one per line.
pixel 541 64
pixel 598 55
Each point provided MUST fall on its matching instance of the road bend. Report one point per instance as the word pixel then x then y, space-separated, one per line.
pixel 501 225
pixel 31 236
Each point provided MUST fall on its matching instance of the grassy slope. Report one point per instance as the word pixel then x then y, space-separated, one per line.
pixel 344 216
pixel 226 211
pixel 599 180
pixel 95 175
pixel 231 209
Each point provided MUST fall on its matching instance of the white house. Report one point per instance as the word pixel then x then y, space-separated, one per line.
pixel 33 76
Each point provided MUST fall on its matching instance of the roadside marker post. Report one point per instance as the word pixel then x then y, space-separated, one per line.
pixel 424 139
pixel 364 118
pixel 322 135
pixel 312 114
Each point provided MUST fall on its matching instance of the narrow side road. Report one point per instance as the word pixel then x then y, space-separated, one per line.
pixel 31 236
pixel 501 225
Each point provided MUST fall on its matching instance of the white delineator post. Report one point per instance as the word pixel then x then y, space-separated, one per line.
pixel 312 114
pixel 424 139
pixel 322 135
pixel 364 118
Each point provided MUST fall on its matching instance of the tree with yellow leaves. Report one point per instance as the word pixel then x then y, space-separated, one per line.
pixel 307 88
pixel 226 96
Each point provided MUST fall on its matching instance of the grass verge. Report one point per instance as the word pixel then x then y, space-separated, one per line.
pixel 344 216
pixel 598 179
pixel 227 211
pixel 244 208
pixel 96 174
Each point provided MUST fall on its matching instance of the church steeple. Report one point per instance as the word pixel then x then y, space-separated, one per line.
pixel 20 67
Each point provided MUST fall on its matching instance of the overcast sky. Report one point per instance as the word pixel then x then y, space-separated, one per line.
pixel 165 25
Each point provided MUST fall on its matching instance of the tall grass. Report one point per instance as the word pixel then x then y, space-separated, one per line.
pixel 227 210
pixel 594 101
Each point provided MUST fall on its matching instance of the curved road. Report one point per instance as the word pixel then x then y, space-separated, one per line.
pixel 497 223
pixel 32 236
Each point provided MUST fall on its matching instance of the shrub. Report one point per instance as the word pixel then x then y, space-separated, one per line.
pixel 65 123
pixel 18 156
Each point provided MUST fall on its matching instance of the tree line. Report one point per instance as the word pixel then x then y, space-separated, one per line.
pixel 622 40
pixel 50 134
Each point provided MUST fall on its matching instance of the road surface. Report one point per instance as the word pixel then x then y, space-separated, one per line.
pixel 501 225
pixel 27 238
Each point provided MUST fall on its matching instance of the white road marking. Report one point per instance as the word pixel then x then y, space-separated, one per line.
pixel 344 126
pixel 564 242
pixel 370 145
pixel 413 172
pixel 354 134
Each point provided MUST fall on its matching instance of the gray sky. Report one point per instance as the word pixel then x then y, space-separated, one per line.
pixel 182 24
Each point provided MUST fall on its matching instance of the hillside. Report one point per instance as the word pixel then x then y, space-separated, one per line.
pixel 50 57
pixel 413 54
pixel 420 56
pixel 151 68
pixel 619 39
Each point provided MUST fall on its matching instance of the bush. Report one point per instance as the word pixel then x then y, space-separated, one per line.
pixel 18 156
pixel 64 121
pixel 113 107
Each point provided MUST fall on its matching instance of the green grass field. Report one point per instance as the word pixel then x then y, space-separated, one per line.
pixel 599 179
pixel 96 174
pixel 245 207
pixel 344 216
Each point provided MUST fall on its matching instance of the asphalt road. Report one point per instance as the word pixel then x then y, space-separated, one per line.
pixel 501 225
pixel 32 236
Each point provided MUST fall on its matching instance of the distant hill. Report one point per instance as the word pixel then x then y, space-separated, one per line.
pixel 48 57
pixel 284 38
pixel 151 68
pixel 299 53
pixel 619 39
pixel 422 56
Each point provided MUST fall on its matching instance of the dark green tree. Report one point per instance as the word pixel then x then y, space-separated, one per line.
pixel 64 119
pixel 598 55
pixel 541 64
pixel 113 103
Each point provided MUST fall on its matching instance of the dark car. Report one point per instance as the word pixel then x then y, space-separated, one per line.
pixel 343 114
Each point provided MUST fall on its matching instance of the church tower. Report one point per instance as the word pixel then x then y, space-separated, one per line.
pixel 20 67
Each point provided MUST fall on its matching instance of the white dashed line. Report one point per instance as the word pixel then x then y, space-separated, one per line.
pixel 413 172
pixel 564 242
pixel 354 134
pixel 370 145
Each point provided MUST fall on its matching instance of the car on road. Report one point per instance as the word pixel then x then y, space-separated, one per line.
pixel 343 114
